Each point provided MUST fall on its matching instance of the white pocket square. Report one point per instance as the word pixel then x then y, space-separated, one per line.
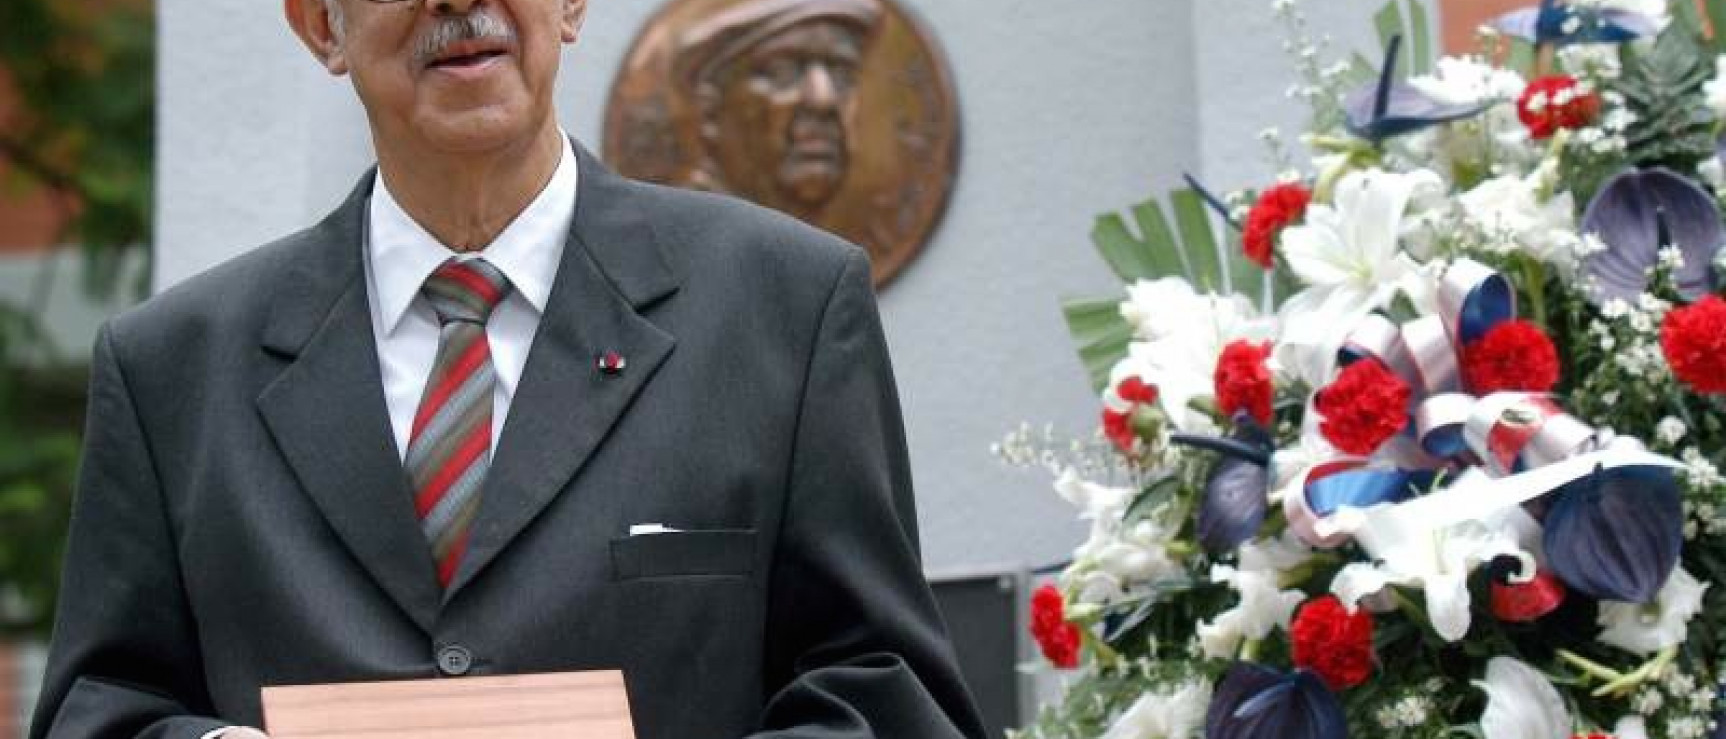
pixel 644 529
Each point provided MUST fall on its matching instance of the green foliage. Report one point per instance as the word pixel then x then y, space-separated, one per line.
pixel 85 77
pixel 1415 28
pixel 1100 332
pixel 39 411
pixel 1663 88
pixel 1190 250
pixel 84 132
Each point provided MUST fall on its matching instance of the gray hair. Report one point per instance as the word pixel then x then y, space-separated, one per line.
pixel 450 29
pixel 338 22
pixel 480 24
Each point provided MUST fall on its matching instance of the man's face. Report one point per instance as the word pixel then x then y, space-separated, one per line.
pixel 459 76
pixel 785 110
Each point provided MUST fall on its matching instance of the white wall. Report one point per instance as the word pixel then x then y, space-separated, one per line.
pixel 1068 109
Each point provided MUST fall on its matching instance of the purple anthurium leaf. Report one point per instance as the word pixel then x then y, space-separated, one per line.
pixel 1256 702
pixel 1407 110
pixel 1638 212
pixel 1388 108
pixel 1553 23
pixel 1616 534
pixel 1235 499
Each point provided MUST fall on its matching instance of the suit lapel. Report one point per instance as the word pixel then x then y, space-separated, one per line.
pixel 327 413
pixel 564 407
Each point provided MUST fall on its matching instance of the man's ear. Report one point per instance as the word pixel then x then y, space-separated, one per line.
pixel 311 21
pixel 574 13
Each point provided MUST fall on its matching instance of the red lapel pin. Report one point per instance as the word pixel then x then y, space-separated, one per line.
pixel 611 364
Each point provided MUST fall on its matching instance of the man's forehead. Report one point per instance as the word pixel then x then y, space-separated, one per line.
pixel 819 36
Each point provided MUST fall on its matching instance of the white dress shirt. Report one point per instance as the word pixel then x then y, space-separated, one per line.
pixel 401 254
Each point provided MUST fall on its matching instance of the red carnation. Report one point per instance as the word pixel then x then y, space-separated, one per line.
pixel 1332 642
pixel 1529 601
pixel 1243 382
pixel 1694 338
pixel 1514 356
pixel 1059 639
pixel 1136 390
pixel 1556 102
pixel 1363 408
pixel 1118 424
pixel 1276 209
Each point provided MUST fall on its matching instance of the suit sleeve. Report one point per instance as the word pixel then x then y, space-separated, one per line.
pixel 124 659
pixel 856 647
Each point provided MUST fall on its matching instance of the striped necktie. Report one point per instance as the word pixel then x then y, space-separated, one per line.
pixel 449 449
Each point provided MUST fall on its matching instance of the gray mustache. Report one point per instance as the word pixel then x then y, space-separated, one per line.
pixel 481 25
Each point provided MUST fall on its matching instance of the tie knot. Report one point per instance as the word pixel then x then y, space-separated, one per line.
pixel 465 290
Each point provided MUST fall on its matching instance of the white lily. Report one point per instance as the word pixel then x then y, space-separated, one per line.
pixel 1116 558
pixel 1138 554
pixel 1521 703
pixel 1411 551
pixel 1262 607
pixel 1094 501
pixel 1157 308
pixel 1176 714
pixel 1116 563
pixel 1277 555
pixel 1347 253
pixel 1183 333
pixel 1649 628
pixel 1514 214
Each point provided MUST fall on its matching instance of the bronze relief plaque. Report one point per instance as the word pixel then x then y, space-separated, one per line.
pixel 838 112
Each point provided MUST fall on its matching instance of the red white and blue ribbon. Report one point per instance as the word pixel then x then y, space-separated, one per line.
pixel 1506 434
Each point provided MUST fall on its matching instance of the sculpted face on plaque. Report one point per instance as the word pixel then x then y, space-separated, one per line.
pixel 837 112
pixel 774 117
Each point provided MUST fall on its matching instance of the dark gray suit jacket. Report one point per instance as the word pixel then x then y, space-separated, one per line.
pixel 242 518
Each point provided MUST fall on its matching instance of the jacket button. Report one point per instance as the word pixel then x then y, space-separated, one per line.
pixel 454 660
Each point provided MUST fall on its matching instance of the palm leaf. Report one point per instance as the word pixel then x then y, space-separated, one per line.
pixel 1414 24
pixel 1101 334
pixel 1151 249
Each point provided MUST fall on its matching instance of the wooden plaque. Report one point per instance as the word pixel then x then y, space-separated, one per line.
pixel 590 705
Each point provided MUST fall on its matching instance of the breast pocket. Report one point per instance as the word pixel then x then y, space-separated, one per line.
pixel 712 553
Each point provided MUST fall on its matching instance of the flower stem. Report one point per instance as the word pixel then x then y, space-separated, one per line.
pixel 1592 668
pixel 1413 608
pixel 1534 279
pixel 1620 684
pixel 1249 650
pixel 1649 670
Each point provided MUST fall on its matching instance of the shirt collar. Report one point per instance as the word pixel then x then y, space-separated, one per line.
pixel 402 254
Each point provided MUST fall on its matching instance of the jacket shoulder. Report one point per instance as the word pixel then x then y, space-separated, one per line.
pixel 706 231
pixel 223 300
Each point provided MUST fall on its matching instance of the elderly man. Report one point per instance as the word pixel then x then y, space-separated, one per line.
pixel 503 411
pixel 775 85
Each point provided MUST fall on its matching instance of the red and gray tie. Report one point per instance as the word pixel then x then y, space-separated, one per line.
pixel 449 450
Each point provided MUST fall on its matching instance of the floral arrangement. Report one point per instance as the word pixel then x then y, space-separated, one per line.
pixel 1426 444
